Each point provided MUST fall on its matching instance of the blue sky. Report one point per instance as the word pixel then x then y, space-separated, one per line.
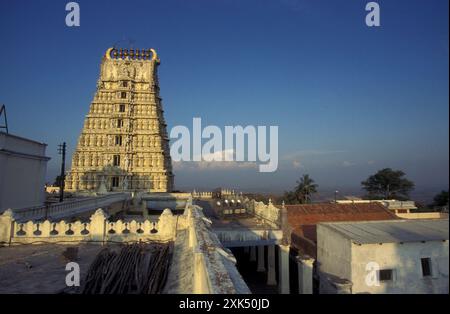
pixel 348 99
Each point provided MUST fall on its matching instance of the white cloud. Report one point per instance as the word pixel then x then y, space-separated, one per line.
pixel 348 163
pixel 215 164
pixel 302 153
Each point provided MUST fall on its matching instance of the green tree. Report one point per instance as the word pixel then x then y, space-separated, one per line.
pixel 57 180
pixel 303 191
pixel 305 188
pixel 290 198
pixel 388 184
pixel 441 199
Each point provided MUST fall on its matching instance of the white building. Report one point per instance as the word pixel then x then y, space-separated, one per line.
pixel 396 256
pixel 23 165
pixel 398 207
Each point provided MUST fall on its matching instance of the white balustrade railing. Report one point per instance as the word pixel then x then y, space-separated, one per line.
pixel 202 194
pixel 269 213
pixel 64 209
pixel 97 229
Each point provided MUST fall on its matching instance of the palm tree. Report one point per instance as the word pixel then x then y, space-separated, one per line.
pixel 305 188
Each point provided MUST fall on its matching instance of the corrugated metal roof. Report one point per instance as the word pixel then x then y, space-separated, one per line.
pixel 392 231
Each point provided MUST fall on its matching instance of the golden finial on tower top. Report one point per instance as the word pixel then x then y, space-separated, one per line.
pixel 108 53
pixel 154 55
pixel 134 54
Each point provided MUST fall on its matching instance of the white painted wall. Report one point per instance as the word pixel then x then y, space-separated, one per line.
pixel 426 215
pixel 338 256
pixel 22 172
pixel 333 253
pixel 405 260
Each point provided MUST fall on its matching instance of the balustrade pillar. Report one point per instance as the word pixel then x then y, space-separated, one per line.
pixel 283 264
pixel 305 275
pixel 98 225
pixel 6 226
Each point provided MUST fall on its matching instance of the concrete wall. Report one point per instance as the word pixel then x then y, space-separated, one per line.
pixel 341 260
pixel 393 205
pixel 160 201
pixel 214 270
pixel 428 215
pixel 405 260
pixel 334 253
pixel 70 208
pixel 22 172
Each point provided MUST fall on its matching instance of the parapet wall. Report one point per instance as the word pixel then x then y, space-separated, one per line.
pixel 203 195
pixel 97 229
pixel 214 270
pixel 269 213
pixel 425 215
pixel 69 208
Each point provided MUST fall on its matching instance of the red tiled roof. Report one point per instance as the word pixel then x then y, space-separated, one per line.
pixel 303 219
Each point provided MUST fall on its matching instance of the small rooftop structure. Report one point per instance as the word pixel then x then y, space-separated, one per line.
pixel 23 165
pixel 392 231
pixel 390 256
pixel 394 205
pixel 303 219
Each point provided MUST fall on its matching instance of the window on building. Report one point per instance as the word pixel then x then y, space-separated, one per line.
pixel 123 95
pixel 124 84
pixel 426 267
pixel 386 274
pixel 121 108
pixel 119 140
pixel 115 182
pixel 119 123
pixel 116 160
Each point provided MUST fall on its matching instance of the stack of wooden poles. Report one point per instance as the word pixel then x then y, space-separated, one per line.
pixel 137 268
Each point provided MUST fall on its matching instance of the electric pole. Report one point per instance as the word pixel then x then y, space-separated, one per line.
pixel 62 151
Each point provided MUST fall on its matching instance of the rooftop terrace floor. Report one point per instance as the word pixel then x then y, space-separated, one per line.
pixel 40 268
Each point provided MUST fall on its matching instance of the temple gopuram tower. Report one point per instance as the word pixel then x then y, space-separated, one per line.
pixel 124 144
